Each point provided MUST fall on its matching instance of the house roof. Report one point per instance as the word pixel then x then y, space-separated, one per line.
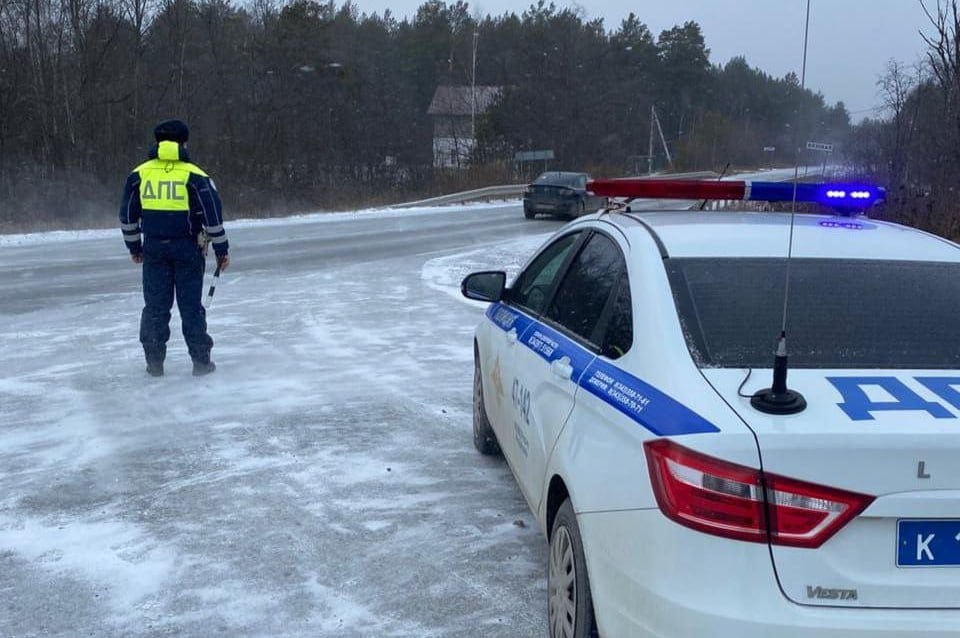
pixel 455 100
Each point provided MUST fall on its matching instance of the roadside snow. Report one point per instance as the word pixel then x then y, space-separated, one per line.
pixel 62 236
pixel 446 273
pixel 321 483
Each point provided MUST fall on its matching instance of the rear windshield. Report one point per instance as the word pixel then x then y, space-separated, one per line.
pixel 573 180
pixel 840 314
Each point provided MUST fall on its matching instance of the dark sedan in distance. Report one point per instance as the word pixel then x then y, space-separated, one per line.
pixel 560 193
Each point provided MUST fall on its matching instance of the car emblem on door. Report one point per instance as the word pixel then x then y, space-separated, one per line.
pixel 497 377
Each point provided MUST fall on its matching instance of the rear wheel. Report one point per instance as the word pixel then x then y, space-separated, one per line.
pixel 570 606
pixel 483 437
pixel 529 214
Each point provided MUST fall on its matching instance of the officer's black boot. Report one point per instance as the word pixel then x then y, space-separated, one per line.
pixel 155 353
pixel 201 368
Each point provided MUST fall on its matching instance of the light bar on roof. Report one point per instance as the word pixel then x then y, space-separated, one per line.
pixel 837 195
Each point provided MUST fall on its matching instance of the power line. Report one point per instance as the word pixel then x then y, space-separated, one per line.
pixel 872 108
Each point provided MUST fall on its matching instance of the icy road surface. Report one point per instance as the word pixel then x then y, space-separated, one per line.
pixel 321 483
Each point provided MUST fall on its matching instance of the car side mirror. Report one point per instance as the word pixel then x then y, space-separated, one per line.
pixel 484 286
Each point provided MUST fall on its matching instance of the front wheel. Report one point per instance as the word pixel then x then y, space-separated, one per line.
pixel 484 438
pixel 570 608
pixel 576 210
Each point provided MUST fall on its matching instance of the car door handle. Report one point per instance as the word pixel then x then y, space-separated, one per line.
pixel 561 368
pixel 512 336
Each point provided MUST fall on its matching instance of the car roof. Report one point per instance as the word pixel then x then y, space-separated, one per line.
pixel 560 175
pixel 752 234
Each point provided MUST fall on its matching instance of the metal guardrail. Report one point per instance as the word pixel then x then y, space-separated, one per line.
pixel 490 192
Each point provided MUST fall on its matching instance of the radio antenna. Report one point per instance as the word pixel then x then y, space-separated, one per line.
pixel 778 399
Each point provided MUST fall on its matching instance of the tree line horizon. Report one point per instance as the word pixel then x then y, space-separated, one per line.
pixel 306 105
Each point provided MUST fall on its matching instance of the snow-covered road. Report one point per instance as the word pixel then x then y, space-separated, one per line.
pixel 321 483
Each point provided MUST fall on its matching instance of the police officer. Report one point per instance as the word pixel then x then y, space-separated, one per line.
pixel 177 208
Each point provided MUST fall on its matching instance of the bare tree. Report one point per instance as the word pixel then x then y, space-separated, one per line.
pixel 896 87
pixel 943 55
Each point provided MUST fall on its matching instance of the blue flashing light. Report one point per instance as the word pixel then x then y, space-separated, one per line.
pixel 848 196
pixel 829 223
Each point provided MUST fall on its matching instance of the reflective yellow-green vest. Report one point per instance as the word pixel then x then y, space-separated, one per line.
pixel 163 181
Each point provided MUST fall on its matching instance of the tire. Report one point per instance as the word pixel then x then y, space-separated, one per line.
pixel 569 603
pixel 529 214
pixel 484 438
pixel 576 210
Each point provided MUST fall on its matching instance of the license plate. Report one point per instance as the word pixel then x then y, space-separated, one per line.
pixel 546 206
pixel 928 543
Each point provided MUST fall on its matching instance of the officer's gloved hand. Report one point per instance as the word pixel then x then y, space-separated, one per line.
pixel 223 262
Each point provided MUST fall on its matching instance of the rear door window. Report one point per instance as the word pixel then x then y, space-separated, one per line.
pixel 618 336
pixel 583 303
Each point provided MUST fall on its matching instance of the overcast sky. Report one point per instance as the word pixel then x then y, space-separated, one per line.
pixel 850 40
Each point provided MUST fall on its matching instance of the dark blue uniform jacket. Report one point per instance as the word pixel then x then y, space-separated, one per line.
pixel 167 197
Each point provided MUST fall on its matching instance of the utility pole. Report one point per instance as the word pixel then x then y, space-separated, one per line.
pixel 473 89
pixel 650 146
pixel 663 141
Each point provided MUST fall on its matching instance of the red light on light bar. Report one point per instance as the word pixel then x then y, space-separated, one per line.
pixel 666 189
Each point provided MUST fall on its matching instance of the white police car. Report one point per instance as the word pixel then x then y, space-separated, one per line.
pixel 626 376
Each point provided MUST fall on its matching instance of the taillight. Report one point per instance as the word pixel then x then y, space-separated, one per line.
pixel 726 499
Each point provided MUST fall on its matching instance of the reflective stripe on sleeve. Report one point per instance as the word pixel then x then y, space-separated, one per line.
pixel 222 239
pixel 130 228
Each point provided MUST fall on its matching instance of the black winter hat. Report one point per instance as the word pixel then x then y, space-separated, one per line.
pixel 172 130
